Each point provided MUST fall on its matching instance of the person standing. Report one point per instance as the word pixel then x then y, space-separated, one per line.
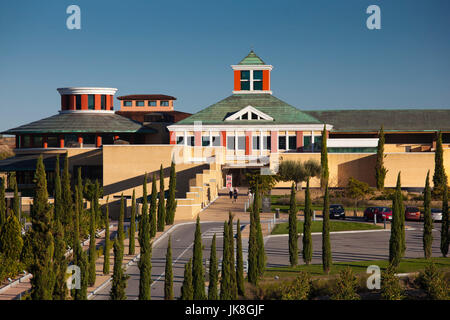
pixel 231 193
pixel 235 194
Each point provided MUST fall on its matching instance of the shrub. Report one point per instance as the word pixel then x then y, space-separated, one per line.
pixel 299 289
pixel 432 281
pixel 391 289
pixel 345 286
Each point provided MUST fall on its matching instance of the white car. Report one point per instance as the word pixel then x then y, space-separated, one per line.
pixel 436 214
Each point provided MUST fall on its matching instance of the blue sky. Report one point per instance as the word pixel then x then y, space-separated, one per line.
pixel 324 56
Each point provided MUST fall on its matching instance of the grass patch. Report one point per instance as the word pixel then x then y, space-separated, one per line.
pixel 358 267
pixel 283 228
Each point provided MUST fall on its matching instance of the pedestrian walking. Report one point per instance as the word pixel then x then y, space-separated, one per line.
pixel 235 194
pixel 231 193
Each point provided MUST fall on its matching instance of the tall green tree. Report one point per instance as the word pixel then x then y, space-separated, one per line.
pixel 58 207
pixel 326 246
pixel 239 261
pixel 153 206
pixel 79 256
pixel 293 232
pixel 145 261
pixel 43 280
pixel 261 254
pixel 225 279
pixel 171 205
pixel 161 200
pixel 401 209
pixel 198 279
pixel 106 246
pixel 11 241
pixel 2 203
pixel 213 272
pixel 119 279
pixel 187 291
pixel 132 230
pixel 83 263
pixel 80 202
pixel 252 274
pixel 231 257
pixel 445 239
pixel 168 275
pixel 427 220
pixel 380 170
pixel 16 203
pixel 92 246
pixel 144 211
pixel 120 232
pixel 439 177
pixel 395 241
pixel 67 201
pixel 324 173
pixel 60 263
pixel 307 241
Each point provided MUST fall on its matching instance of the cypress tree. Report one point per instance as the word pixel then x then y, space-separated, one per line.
pixel 252 274
pixel 107 245
pixel 380 170
pixel 427 220
pixel 198 279
pixel 79 256
pixel 98 217
pixel 225 279
pixel 153 200
pixel 60 263
pixel 231 257
pixel 261 255
pixel 171 205
pixel 92 246
pixel 239 261
pixel 145 261
pixel 213 272
pixel 11 242
pixel 144 211
pixel 395 241
pixel 119 279
pixel 187 291
pixel 2 203
pixel 307 241
pixel 439 177
pixel 324 173
pixel 326 246
pixel 401 210
pixel 445 239
pixel 80 190
pixel 120 232
pixel 168 278
pixel 67 201
pixel 132 230
pixel 43 280
pixel 58 213
pixel 16 203
pixel 161 205
pixel 293 233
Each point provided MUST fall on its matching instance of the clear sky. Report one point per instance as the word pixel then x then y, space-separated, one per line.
pixel 324 56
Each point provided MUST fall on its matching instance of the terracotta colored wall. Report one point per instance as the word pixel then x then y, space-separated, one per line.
pixel 266 79
pixel 237 80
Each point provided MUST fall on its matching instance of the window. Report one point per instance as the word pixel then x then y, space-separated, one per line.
pixel 52 142
pixel 241 143
pixel 140 104
pixel 254 116
pixel 292 142
pixel 205 142
pixel 255 143
pixel 71 141
pixel 230 143
pixel 103 102
pixel 190 141
pixel 282 142
pixel 307 143
pixel 37 142
pixel 91 101
pixel 257 80
pixel 245 80
pixel 216 141
pixel 317 143
pixel 89 140
pixel 127 103
pixel 78 102
pixel 244 116
pixel 180 140
pixel 152 103
pixel 164 103
pixel 267 142
pixel 26 142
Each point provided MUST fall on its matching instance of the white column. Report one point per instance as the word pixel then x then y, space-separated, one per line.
pixel 312 141
pixel 251 80
pixel 210 138
pixel 260 142
pixel 185 138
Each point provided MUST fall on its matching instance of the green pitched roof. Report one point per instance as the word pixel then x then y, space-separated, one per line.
pixel 252 59
pixel 89 122
pixel 280 111
pixel 392 120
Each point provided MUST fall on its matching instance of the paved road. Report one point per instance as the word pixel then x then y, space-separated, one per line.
pixel 354 246
pixel 182 247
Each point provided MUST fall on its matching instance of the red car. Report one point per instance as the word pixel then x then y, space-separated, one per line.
pixel 381 212
pixel 412 213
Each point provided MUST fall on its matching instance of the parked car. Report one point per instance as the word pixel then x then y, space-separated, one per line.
pixel 436 214
pixel 412 213
pixel 381 212
pixel 337 211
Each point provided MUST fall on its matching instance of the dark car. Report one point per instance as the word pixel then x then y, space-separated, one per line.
pixel 412 213
pixel 381 212
pixel 337 211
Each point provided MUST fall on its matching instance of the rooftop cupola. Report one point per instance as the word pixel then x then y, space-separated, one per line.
pixel 90 99
pixel 252 75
